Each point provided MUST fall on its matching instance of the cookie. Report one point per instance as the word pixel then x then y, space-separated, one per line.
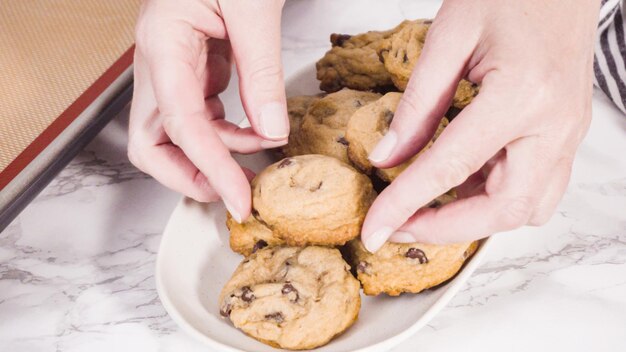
pixel 250 235
pixel 312 199
pixel 402 52
pixel 323 127
pixel 294 298
pixel 367 127
pixel 296 109
pixel 355 62
pixel 407 267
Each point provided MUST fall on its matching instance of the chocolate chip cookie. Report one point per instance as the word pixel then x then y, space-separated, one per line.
pixel 294 298
pixel 408 267
pixel 296 109
pixel 380 61
pixel 400 56
pixel 312 199
pixel 250 236
pixel 322 129
pixel 367 127
pixel 355 62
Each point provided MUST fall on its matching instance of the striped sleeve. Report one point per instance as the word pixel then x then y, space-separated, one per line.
pixel 610 53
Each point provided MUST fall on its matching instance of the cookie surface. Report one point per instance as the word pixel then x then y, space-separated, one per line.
pixel 296 109
pixel 408 267
pixel 322 129
pixel 367 127
pixel 294 298
pixel 312 199
pixel 355 62
pixel 250 236
pixel 402 52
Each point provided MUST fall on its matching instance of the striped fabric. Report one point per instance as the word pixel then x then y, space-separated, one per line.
pixel 609 63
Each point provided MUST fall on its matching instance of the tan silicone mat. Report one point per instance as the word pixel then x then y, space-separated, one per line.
pixel 51 52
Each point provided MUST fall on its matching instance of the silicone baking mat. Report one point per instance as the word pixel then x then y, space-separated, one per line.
pixel 56 56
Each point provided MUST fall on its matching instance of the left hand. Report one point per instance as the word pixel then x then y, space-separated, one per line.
pixel 510 151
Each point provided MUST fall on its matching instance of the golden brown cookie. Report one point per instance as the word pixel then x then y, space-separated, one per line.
pixel 312 199
pixel 250 236
pixel 400 56
pixel 407 267
pixel 323 127
pixel 296 109
pixel 355 62
pixel 367 127
pixel 380 61
pixel 294 298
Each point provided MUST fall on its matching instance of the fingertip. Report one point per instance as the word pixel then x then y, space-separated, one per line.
pixel 384 148
pixel 375 240
pixel 270 144
pixel 402 237
pixel 249 173
pixel 274 121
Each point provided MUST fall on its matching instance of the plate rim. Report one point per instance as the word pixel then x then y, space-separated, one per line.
pixel 464 274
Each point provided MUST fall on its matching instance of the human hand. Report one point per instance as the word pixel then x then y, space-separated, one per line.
pixel 510 151
pixel 177 130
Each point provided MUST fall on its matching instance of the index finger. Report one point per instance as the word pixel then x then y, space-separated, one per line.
pixel 470 140
pixel 180 100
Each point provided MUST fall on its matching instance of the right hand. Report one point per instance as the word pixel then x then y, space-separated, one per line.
pixel 177 130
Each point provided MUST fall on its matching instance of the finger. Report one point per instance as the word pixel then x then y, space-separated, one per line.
pixel 428 94
pixel 147 148
pixel 169 165
pixel 475 184
pixel 242 140
pixel 553 192
pixel 513 189
pixel 218 67
pixel 236 139
pixel 460 151
pixel 254 31
pixel 180 100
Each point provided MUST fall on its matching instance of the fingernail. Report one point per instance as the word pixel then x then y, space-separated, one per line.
pixel 265 144
pixel 273 120
pixel 377 239
pixel 402 237
pixel 383 149
pixel 232 211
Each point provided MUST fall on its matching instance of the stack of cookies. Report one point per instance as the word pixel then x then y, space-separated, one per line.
pixel 295 288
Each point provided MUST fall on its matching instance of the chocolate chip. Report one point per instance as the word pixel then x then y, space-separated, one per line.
pixel 313 189
pixel 278 317
pixel 246 294
pixel 427 21
pixel 362 267
pixel 258 245
pixel 381 57
pixel 466 253
pixel 342 140
pixel 358 103
pixel 288 288
pixel 388 116
pixel 416 253
pixel 285 162
pixel 453 112
pixel 225 311
pixel 339 39
pixel 405 59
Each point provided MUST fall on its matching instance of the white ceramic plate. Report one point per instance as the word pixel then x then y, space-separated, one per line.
pixel 195 261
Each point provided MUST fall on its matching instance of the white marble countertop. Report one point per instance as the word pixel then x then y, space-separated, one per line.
pixel 77 266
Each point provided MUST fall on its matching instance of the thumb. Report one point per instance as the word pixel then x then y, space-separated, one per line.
pixel 429 92
pixel 254 32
